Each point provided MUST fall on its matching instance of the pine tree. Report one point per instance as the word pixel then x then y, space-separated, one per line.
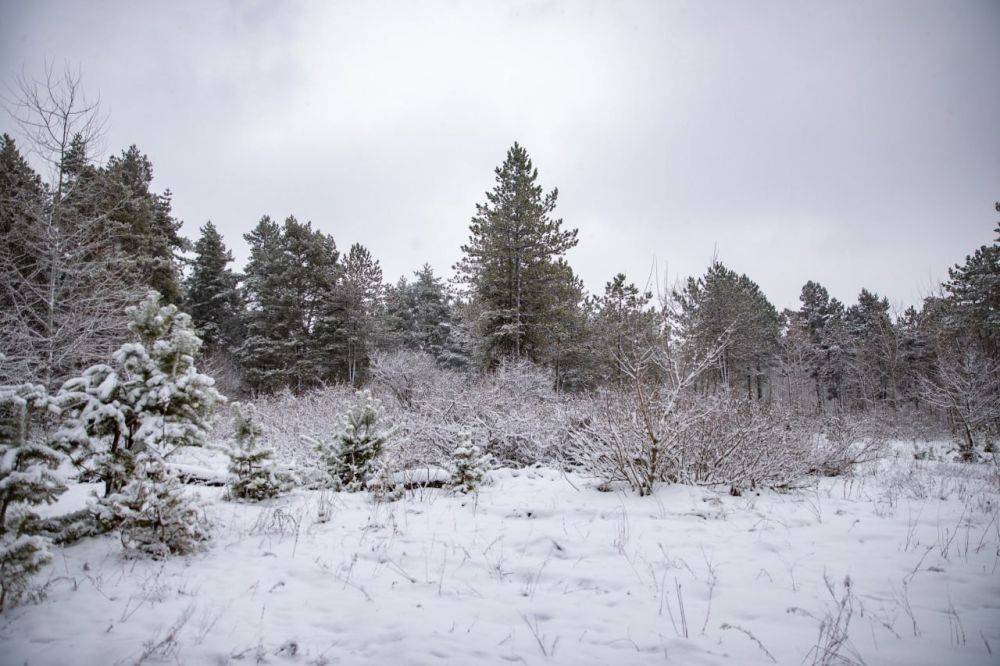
pixel 264 354
pixel 626 325
pixel 507 263
pixel 468 465
pixel 419 316
pixel 875 350
pixel 155 515
pixel 350 457
pixel 152 399
pixel 142 223
pixel 973 290
pixel 722 305
pixel 360 286
pixel 253 477
pixel 213 297
pixel 21 189
pixel 569 349
pixel 822 318
pixel 289 287
pixel 28 477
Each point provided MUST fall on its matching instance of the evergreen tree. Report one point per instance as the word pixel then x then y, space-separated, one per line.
pixel 253 476
pixel 142 224
pixel 289 286
pixel 28 477
pixel 468 465
pixel 916 347
pixel 569 349
pixel 213 297
pixel 152 399
pixel 822 319
pixel 507 263
pixel 722 305
pixel 419 316
pixel 973 290
pixel 360 288
pixel 264 354
pixel 21 190
pixel 62 294
pixel 626 325
pixel 21 207
pixel 350 457
pixel 155 515
pixel 874 349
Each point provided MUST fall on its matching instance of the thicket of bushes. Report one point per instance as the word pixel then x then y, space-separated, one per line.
pixel 638 434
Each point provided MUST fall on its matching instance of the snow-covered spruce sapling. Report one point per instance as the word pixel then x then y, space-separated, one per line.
pixel 349 458
pixel 468 465
pixel 156 517
pixel 253 477
pixel 151 399
pixel 27 478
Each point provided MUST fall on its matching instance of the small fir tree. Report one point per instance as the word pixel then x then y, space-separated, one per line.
pixel 468 465
pixel 253 475
pixel 156 517
pixel 151 399
pixel 350 458
pixel 27 478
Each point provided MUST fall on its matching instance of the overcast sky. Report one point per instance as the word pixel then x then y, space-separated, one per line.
pixel 857 144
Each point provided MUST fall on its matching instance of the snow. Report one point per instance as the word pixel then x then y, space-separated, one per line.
pixel 422 476
pixel 542 567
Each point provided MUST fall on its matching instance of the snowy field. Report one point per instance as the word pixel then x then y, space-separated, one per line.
pixel 542 567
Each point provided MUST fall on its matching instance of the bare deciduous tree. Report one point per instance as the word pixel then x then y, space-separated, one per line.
pixel 965 383
pixel 64 298
pixel 636 434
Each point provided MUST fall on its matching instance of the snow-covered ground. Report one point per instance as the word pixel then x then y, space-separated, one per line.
pixel 543 568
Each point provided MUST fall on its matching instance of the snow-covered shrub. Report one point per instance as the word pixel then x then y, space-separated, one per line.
pixel 349 458
pixel 253 476
pixel 151 399
pixel 288 420
pixel 660 426
pixel 28 477
pixel 743 444
pixel 405 375
pixel 635 432
pixel 155 515
pixel 614 444
pixel 965 385
pixel 514 412
pixel 468 466
pixel 381 482
pixel 843 441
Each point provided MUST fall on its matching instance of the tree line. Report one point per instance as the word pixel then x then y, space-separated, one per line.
pixel 83 241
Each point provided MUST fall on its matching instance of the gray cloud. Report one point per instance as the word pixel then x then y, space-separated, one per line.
pixel 851 143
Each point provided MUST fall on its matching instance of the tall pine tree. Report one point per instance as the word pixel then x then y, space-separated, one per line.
pixel 289 284
pixel 213 296
pixel 143 225
pixel 973 290
pixel 508 261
